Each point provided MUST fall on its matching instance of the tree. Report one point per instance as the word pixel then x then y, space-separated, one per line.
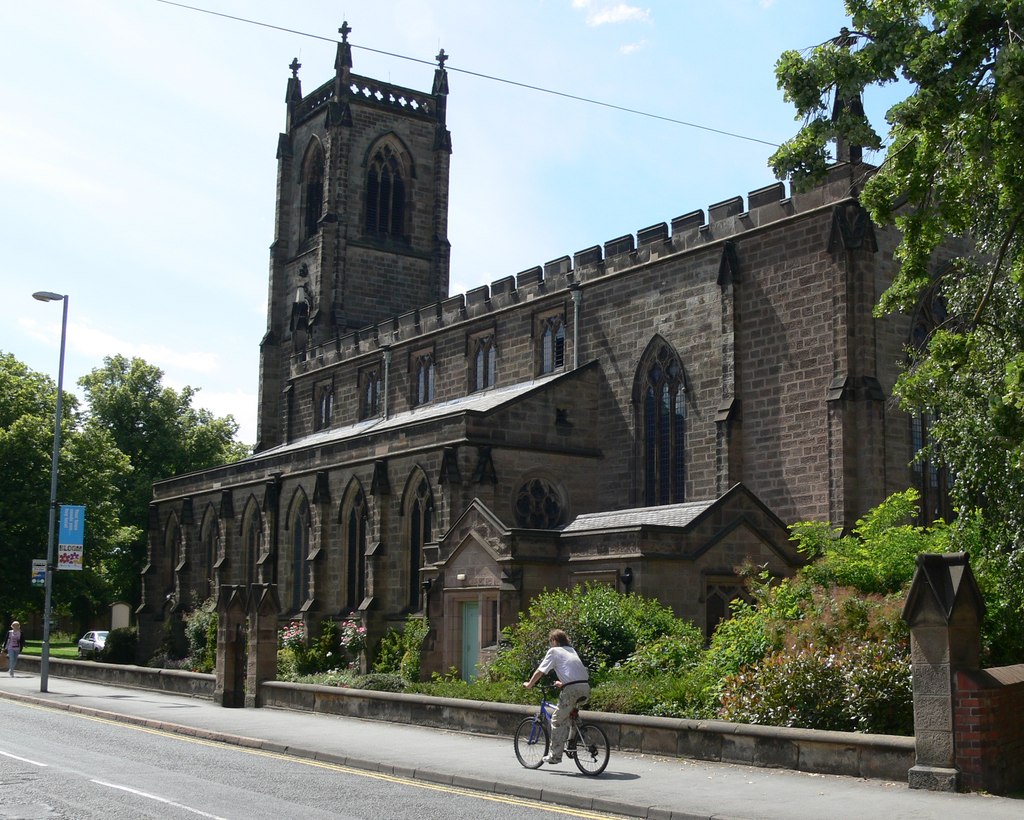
pixel 162 435
pixel 954 167
pixel 88 463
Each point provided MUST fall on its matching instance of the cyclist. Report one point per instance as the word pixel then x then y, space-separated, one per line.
pixel 573 684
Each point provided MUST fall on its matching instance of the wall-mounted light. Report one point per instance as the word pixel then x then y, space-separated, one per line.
pixel 460 577
pixel 627 578
pixel 427 584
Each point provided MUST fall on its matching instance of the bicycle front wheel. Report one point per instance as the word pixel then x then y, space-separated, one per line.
pixel 592 750
pixel 531 742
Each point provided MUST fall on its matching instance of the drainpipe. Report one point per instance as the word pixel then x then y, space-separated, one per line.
pixel 576 292
pixel 387 374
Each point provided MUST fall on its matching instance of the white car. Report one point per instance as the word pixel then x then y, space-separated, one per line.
pixel 91 643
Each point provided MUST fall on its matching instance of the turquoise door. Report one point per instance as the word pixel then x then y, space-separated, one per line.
pixel 470 639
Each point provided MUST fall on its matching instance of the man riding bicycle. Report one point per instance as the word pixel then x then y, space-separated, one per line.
pixel 573 684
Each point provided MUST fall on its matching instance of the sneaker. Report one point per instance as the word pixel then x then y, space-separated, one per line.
pixel 551 759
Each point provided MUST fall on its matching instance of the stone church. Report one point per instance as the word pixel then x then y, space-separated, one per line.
pixel 650 412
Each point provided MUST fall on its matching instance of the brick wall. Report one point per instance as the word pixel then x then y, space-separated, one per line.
pixel 988 719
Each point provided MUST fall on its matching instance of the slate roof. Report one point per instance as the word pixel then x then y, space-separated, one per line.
pixel 669 515
pixel 480 402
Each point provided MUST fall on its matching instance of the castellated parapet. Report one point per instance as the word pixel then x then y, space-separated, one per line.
pixel 725 220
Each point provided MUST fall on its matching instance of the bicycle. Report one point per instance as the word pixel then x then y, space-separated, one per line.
pixel 587 745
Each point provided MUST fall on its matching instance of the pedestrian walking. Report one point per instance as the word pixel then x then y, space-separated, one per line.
pixel 13 645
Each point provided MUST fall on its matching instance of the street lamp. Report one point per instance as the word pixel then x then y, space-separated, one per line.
pixel 44 664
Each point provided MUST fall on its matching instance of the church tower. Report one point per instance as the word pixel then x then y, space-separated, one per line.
pixel 361 230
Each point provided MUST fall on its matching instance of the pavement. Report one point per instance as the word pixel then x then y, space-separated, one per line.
pixel 633 785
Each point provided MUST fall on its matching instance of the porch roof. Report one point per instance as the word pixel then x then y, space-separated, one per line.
pixel 668 515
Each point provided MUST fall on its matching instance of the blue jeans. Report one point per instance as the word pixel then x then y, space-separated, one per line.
pixel 12 660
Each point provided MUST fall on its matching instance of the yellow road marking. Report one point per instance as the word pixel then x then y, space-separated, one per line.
pixel 337 767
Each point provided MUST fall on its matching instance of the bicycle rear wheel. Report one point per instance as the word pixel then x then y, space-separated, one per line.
pixel 592 750
pixel 531 742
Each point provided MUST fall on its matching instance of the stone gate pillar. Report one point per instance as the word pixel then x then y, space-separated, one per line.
pixel 229 689
pixel 264 610
pixel 944 610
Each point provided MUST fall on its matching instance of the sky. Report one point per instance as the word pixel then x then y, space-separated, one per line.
pixel 138 142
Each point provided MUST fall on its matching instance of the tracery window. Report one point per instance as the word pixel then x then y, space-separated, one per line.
pixel 370 387
pixel 386 194
pixel 538 505
pixel 663 421
pixel 324 406
pixel 423 379
pixel 719 593
pixel 485 359
pixel 552 344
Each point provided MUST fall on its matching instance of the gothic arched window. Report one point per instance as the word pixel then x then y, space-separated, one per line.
pixel 252 543
pixel 210 544
pixel 485 361
pixel 423 379
pixel 386 194
pixel 312 189
pixel 300 553
pixel 929 473
pixel 552 344
pixel 371 385
pixel 662 403
pixel 355 551
pixel 421 515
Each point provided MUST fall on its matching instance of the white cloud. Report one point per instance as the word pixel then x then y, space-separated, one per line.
pixel 632 48
pixel 612 13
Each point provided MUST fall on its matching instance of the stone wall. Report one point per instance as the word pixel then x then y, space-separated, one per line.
pixel 856 755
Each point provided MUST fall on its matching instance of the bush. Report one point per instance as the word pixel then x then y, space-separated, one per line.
pixel 667 654
pixel 201 637
pixel 380 682
pixel 604 626
pixel 452 686
pixel 880 555
pixel 121 646
pixel 399 651
pixel 298 658
pixel 860 687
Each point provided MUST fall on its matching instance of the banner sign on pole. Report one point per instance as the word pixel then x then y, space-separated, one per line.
pixel 72 537
pixel 38 572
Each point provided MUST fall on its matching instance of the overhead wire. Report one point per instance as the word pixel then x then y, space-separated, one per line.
pixel 490 77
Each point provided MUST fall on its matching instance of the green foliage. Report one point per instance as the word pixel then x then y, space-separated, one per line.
pixel 399 651
pixel 857 687
pixel 999 571
pixel 605 628
pixel 667 654
pixel 121 646
pixel 452 686
pixel 954 168
pixel 89 464
pixel 380 682
pixel 201 637
pixel 301 657
pixel 879 556
pixel 161 434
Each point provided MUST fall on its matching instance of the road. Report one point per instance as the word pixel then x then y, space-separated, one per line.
pixel 56 765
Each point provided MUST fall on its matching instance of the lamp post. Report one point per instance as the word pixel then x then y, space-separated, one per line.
pixel 44 664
